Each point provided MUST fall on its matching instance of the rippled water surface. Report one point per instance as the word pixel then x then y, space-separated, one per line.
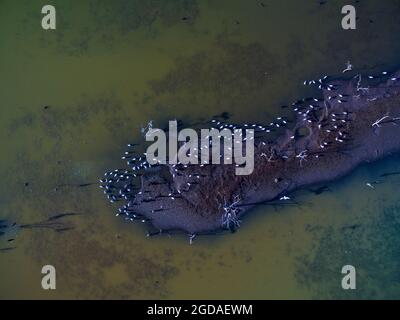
pixel 72 98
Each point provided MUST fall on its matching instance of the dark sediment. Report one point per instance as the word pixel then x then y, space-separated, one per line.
pixel 329 139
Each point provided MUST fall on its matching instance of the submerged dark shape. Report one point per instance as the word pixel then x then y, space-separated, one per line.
pixel 388 174
pixel 224 115
pixel 82 185
pixel 8 231
pixel 62 215
pixel 351 227
pixel 352 123
pixel 55 222
pixel 320 190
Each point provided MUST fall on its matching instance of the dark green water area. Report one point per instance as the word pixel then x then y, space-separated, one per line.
pixel 71 99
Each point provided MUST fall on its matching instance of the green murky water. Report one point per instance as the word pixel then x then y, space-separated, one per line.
pixel 113 65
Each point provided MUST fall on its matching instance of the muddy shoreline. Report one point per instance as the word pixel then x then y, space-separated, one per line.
pixel 355 121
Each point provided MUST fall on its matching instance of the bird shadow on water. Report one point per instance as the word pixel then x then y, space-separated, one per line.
pixel 8 233
pixel 10 230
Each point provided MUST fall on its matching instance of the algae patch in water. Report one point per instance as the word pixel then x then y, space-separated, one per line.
pixel 372 247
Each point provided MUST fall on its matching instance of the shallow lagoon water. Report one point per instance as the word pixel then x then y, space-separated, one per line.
pixel 112 66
